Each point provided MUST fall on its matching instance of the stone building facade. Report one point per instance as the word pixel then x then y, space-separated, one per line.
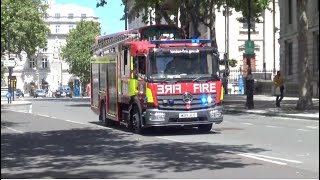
pixel 289 44
pixel 46 69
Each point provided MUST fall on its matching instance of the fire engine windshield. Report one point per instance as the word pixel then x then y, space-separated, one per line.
pixel 182 64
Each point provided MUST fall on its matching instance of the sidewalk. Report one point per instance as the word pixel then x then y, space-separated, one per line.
pixel 265 105
pixel 16 102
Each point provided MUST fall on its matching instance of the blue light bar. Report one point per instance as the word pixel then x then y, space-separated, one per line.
pixel 180 41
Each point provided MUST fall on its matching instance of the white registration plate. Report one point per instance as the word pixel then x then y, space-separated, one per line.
pixel 188 115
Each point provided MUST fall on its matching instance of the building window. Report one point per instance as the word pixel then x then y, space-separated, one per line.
pixel 57 15
pixel 44 63
pixel 70 16
pixel 316 53
pixel 44 49
pixel 289 57
pixel 32 63
pixel 57 28
pixel 83 16
pixel 70 27
pixel 290 11
pixel 245 25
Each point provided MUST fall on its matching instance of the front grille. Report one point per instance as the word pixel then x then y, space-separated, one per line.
pixel 178 103
pixel 177 120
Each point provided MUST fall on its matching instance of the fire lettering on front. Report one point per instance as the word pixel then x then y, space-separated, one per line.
pixel 204 88
pixel 169 89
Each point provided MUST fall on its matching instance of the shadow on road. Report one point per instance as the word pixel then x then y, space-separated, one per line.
pixel 161 131
pixel 79 105
pixel 92 153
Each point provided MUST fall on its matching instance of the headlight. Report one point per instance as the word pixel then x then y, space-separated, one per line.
pixel 207 99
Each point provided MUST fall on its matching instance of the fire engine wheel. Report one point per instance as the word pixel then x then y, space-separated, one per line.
pixel 205 127
pixel 105 121
pixel 136 121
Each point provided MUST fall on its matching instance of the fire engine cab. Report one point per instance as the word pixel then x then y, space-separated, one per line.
pixel 156 82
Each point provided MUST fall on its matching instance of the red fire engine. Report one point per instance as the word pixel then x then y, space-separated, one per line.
pixel 142 82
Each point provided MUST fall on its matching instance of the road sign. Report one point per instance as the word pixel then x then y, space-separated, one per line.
pixel 9 63
pixel 249 47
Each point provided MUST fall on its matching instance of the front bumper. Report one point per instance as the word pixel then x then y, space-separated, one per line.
pixel 156 117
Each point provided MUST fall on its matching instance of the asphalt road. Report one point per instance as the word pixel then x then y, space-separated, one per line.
pixel 61 138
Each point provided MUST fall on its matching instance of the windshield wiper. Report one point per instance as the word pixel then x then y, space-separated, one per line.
pixel 197 78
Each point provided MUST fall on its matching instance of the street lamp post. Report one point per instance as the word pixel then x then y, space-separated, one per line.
pixel 249 80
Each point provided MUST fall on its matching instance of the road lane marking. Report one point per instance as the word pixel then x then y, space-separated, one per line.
pixel 303 130
pixel 273 126
pixel 276 158
pixel 30 108
pixel 13 129
pixel 312 127
pixel 169 139
pixel 247 124
pixel 262 159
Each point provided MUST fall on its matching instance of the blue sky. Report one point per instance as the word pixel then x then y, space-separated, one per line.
pixel 109 15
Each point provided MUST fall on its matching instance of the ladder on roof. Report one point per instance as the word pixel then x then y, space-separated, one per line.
pixel 112 41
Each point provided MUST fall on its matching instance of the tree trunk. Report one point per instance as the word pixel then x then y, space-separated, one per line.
pixel 192 7
pixel 158 16
pixel 305 91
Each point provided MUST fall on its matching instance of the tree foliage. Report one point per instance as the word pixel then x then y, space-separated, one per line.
pixel 77 50
pixel 23 26
pixel 305 88
pixel 195 11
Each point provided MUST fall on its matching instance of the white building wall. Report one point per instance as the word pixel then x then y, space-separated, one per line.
pixel 57 71
pixel 238 35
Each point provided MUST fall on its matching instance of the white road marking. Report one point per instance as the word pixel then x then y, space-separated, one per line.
pixel 270 157
pixel 312 127
pixel 13 129
pixel 30 108
pixel 299 140
pixel 303 130
pixel 247 123
pixel 262 159
pixel 169 139
pixel 273 126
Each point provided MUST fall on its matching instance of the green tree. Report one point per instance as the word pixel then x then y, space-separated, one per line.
pixel 195 11
pixel 77 50
pixel 305 75
pixel 23 26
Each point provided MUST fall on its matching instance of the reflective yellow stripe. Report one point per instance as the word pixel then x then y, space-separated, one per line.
pixel 133 84
pixel 222 93
pixel 149 95
pixel 131 66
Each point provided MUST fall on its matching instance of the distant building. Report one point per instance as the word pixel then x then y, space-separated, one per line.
pixel 46 69
pixel 289 44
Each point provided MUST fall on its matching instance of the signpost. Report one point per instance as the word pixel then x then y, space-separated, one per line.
pixel 9 63
pixel 249 47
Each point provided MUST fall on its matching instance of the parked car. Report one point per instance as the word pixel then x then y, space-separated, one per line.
pixel 40 93
pixel 64 92
pixel 19 93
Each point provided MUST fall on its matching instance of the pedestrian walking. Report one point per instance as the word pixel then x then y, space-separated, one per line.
pixel 279 87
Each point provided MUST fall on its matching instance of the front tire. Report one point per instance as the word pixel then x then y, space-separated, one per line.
pixel 136 121
pixel 205 128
